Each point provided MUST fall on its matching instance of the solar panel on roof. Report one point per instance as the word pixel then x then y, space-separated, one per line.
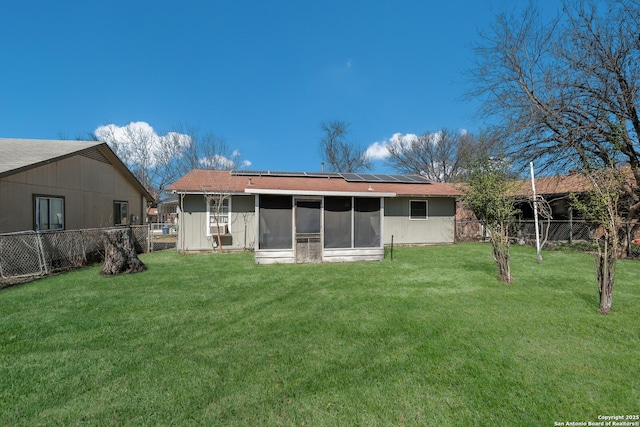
pixel 286 174
pixel 389 178
pixel 248 173
pixel 289 174
pixel 371 177
pixel 417 178
pixel 352 177
pixel 322 175
pixel 349 177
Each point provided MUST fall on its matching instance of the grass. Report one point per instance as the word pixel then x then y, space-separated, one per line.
pixel 430 338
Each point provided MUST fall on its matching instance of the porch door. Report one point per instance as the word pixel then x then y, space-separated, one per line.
pixel 308 227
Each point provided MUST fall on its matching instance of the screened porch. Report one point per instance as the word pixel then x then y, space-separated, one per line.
pixel 318 228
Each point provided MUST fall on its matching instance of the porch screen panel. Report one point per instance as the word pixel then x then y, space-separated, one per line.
pixel 337 222
pixel 307 217
pixel 366 222
pixel 276 224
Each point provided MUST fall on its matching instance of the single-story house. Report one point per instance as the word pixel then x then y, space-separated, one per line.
pixel 291 217
pixel 66 185
pixel 165 212
pixel 556 191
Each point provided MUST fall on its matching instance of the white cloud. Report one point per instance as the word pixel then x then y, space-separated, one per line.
pixel 138 142
pixel 217 162
pixel 379 150
pixel 222 162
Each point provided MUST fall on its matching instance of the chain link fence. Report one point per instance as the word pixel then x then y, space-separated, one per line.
pixel 552 233
pixel 29 254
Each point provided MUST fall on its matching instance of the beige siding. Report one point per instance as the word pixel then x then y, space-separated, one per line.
pixel 192 235
pixel 243 216
pixel 439 227
pixel 89 188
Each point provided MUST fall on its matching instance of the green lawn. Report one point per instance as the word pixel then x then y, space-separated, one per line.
pixel 430 338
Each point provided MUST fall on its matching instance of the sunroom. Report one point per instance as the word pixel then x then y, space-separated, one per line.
pixel 317 227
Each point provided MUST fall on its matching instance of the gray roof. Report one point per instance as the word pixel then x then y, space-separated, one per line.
pixel 16 154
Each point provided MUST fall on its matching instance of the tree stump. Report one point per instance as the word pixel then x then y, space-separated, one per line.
pixel 120 253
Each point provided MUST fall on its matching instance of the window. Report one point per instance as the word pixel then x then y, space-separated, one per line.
pixel 49 213
pixel 276 222
pixel 120 213
pixel 418 209
pixel 218 210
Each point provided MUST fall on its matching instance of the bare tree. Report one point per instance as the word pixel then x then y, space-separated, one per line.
pixel 340 154
pixel 152 159
pixel 566 91
pixel 157 161
pixel 443 156
pixel 206 151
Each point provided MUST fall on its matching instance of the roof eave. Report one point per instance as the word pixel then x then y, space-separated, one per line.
pixel 318 193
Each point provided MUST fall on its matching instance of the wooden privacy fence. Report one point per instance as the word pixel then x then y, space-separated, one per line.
pixel 30 254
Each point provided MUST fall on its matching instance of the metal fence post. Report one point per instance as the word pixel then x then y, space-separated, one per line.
pixel 42 256
pixel 629 251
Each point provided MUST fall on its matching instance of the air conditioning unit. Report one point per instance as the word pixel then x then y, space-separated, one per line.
pixel 213 230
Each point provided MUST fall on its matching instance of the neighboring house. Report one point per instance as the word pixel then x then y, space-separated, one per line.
pixel 164 213
pixel 310 217
pixel 64 185
pixel 556 191
pixel 563 222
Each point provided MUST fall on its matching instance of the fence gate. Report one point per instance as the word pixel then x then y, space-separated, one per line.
pixel 308 226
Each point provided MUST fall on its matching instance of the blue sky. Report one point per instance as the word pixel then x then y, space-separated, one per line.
pixel 261 74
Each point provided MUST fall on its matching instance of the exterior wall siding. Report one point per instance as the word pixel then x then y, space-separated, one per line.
pixel 439 227
pixel 356 254
pixel 89 188
pixel 194 222
pixel 275 256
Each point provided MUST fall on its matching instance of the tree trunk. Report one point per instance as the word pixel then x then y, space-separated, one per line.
pixel 501 255
pixel 120 254
pixel 219 236
pixel 606 268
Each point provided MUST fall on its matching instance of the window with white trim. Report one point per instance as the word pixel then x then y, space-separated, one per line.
pixel 49 213
pixel 418 209
pixel 218 213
